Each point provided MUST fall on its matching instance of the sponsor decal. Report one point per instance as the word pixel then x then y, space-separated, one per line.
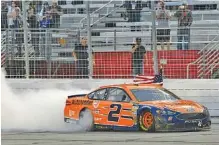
pixel 199 122
pixel 71 113
pixel 96 111
pixel 190 109
pixel 101 127
pixel 135 120
pixel 170 118
pixel 97 119
pixel 82 102
pixel 134 110
pixel 96 103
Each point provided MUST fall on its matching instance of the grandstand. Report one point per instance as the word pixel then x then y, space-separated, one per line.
pixel 112 37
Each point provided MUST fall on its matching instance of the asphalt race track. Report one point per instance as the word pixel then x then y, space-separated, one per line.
pixel 111 138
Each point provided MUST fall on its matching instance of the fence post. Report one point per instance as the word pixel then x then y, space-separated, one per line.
pixel 154 37
pixel 48 52
pixel 89 40
pixel 25 39
pixel 114 39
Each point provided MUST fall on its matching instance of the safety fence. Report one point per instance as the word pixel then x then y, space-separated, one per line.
pixel 64 53
pixel 111 35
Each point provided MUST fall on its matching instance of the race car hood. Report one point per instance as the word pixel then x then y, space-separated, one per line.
pixel 183 106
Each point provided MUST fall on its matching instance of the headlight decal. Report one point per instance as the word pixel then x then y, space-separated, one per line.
pixel 165 112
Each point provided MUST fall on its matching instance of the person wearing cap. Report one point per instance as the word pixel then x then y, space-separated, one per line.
pixel 138 52
pixel 185 20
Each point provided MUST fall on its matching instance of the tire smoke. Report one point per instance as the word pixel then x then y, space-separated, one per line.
pixel 35 110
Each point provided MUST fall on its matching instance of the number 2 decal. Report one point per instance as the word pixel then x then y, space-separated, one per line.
pixel 114 112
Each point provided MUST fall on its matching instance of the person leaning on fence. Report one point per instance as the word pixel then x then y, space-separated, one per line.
pixel 81 56
pixel 185 19
pixel 138 52
pixel 163 28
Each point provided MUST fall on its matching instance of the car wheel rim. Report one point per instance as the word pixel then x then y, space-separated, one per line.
pixel 147 119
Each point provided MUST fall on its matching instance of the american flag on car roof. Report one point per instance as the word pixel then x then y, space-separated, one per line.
pixel 156 79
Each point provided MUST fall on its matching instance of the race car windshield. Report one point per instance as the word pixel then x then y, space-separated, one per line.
pixel 154 95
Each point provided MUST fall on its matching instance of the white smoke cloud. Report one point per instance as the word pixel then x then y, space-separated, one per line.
pixel 35 110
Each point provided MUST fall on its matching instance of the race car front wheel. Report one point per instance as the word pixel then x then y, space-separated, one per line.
pixel 86 120
pixel 147 121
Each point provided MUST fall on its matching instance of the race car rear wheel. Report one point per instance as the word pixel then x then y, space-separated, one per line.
pixel 86 120
pixel 147 121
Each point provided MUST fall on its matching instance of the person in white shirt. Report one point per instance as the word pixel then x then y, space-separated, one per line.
pixel 11 14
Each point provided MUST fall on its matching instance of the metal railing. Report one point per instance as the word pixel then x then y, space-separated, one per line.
pixel 207 75
pixel 3 48
pixel 104 6
pixel 109 13
pixel 208 59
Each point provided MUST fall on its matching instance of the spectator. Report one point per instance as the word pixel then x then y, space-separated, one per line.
pixel 37 5
pixel 18 24
pixel 185 19
pixel 133 10
pixel 17 19
pixel 137 12
pixel 81 55
pixel 138 52
pixel 128 13
pixel 11 14
pixel 4 11
pixel 45 8
pixel 46 22
pixel 32 18
pixel 163 28
pixel 34 25
pixel 56 12
pixel 18 4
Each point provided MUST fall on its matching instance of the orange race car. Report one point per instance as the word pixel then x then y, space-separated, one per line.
pixel 135 106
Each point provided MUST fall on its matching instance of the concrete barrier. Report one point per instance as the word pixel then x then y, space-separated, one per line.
pixel 202 91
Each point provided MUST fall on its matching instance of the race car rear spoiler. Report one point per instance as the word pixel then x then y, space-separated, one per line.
pixel 78 95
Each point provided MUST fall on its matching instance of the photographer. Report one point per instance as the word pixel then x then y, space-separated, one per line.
pixel 163 28
pixel 138 52
pixel 185 19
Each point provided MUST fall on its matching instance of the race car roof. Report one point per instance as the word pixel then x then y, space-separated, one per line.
pixel 133 86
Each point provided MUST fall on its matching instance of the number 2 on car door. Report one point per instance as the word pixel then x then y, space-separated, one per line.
pixel 115 110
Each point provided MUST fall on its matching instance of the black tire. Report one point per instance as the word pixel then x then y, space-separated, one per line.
pixel 145 127
pixel 86 121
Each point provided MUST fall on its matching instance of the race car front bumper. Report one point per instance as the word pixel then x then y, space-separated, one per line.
pixel 172 123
